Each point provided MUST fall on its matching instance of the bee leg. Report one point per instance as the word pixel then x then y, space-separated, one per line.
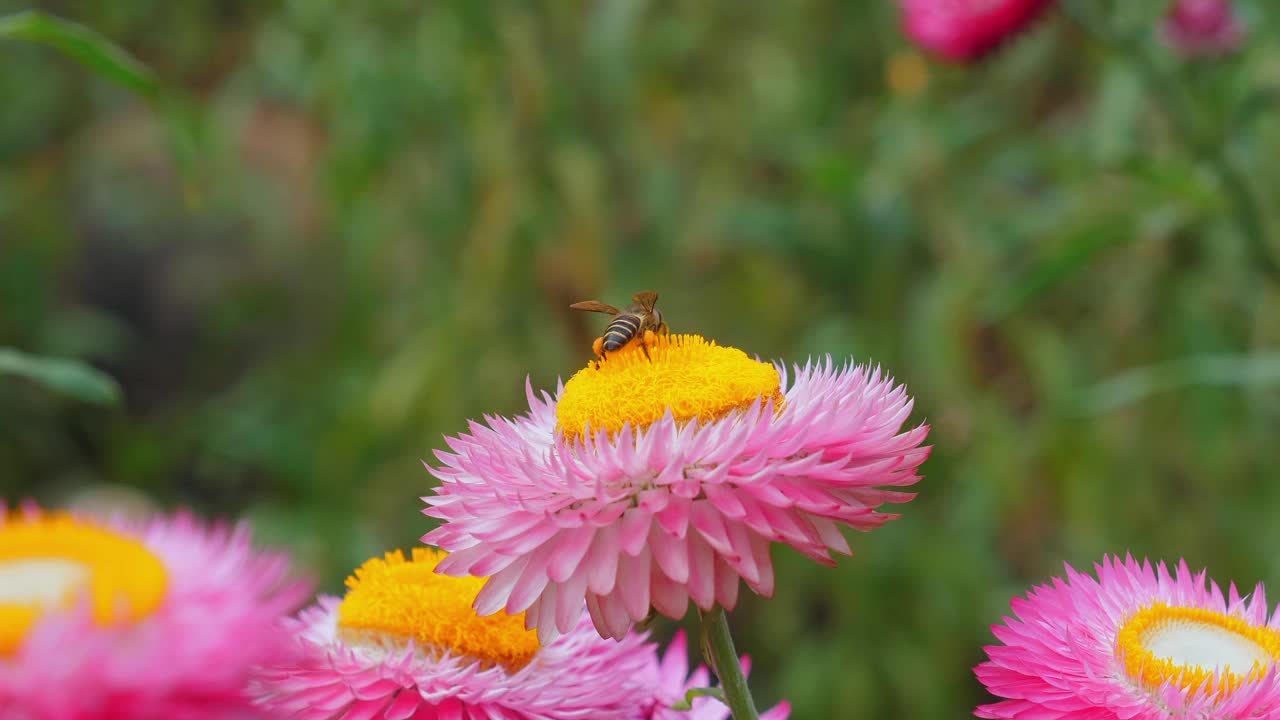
pixel 648 340
pixel 597 347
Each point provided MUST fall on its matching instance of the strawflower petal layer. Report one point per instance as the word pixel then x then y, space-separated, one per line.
pixel 1135 643
pixel 675 511
pixel 430 660
pixel 197 608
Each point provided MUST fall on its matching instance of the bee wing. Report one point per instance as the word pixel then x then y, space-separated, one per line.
pixel 647 299
pixel 596 306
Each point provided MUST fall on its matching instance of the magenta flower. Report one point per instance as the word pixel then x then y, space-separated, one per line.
pixel 1202 28
pixel 967 30
pixel 162 620
pixel 405 644
pixel 650 483
pixel 1135 644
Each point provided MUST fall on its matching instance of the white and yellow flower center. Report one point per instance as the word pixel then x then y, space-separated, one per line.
pixel 693 378
pixel 391 601
pixel 54 561
pixel 1188 646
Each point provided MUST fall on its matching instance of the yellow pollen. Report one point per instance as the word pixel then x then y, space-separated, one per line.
pixel 393 600
pixel 1147 639
pixel 907 74
pixel 55 561
pixel 687 374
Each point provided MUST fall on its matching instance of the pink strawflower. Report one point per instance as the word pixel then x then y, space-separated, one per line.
pixel 1202 28
pixel 967 30
pixel 404 644
pixel 166 618
pixel 672 681
pixel 625 519
pixel 1135 644
pixel 580 675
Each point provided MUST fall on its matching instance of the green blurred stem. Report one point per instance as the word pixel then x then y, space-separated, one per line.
pixel 717 646
pixel 1212 151
pixel 1248 211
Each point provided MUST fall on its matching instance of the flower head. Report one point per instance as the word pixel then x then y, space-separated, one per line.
pixel 163 619
pixel 405 643
pixel 1202 28
pixel 1135 643
pixel 967 30
pixel 650 482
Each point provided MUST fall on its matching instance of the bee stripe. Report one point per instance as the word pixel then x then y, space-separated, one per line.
pixel 630 322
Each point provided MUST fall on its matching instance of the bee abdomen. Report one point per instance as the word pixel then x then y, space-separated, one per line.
pixel 620 331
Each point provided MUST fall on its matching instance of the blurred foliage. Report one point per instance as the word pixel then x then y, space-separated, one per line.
pixel 97 53
pixel 389 205
pixel 70 377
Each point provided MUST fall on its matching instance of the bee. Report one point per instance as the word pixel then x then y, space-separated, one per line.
pixel 640 320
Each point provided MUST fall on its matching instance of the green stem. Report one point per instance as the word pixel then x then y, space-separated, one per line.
pixel 1247 211
pixel 717 646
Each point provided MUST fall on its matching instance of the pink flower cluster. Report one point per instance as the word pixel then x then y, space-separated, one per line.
pixel 1202 28
pixel 967 30
pixel 964 31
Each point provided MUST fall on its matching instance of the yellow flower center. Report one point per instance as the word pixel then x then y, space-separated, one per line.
pixel 392 600
pixel 53 561
pixel 687 374
pixel 1188 646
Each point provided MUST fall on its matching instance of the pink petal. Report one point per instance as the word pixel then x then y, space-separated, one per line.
pixel 633 584
pixel 633 531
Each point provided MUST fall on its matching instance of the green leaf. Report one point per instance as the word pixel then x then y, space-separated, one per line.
pixel 83 45
pixel 1224 370
pixel 184 124
pixel 1115 117
pixel 182 118
pixel 1070 257
pixel 1255 106
pixel 687 702
pixel 69 377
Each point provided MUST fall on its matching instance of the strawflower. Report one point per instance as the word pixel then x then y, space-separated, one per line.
pixel 1202 28
pixel 1136 643
pixel 405 644
pixel 648 482
pixel 162 619
pixel 965 31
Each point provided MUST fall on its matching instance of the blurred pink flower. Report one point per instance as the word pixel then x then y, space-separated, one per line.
pixel 679 510
pixel 1202 28
pixel 1136 643
pixel 167 618
pixel 967 30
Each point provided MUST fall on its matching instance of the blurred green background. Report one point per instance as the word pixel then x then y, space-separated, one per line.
pixel 372 217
